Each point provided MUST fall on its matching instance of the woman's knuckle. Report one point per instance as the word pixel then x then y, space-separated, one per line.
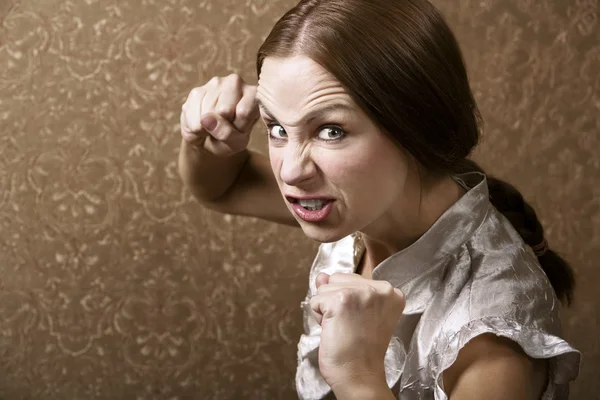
pixel 224 109
pixel 234 78
pixel 214 81
pixel 196 91
pixel 387 289
pixel 336 276
pixel 400 296
pixel 242 112
pixel 347 298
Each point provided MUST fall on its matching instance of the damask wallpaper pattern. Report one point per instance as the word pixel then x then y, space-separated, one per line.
pixel 115 284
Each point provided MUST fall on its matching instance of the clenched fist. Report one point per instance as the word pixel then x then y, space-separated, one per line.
pixel 358 317
pixel 219 116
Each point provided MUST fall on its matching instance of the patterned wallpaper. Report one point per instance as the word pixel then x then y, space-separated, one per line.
pixel 115 284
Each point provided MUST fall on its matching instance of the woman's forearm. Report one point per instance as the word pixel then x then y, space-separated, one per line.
pixel 366 393
pixel 355 390
pixel 206 175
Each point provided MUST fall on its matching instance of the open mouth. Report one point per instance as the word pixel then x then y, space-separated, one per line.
pixel 311 209
pixel 310 204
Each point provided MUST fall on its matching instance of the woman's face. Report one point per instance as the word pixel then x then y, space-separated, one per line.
pixel 337 172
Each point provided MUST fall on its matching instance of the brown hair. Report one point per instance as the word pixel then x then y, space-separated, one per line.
pixel 402 65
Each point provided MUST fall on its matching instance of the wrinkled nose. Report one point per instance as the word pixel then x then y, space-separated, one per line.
pixel 297 165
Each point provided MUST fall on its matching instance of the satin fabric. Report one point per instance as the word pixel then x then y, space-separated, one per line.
pixel 469 274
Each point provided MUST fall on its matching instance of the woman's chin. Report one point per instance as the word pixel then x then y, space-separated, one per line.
pixel 322 234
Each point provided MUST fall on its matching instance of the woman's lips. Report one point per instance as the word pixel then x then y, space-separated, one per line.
pixel 294 199
pixel 311 215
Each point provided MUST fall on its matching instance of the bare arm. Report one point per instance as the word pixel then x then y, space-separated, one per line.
pixel 488 367
pixel 244 184
pixel 214 162
pixel 494 368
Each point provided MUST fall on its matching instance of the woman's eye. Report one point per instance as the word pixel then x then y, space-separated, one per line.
pixel 277 132
pixel 331 134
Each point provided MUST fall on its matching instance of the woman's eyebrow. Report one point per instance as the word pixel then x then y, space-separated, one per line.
pixel 311 116
pixel 265 110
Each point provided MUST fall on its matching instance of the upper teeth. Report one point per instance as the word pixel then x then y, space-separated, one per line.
pixel 312 204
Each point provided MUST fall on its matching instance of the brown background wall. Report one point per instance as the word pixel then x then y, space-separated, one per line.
pixel 114 284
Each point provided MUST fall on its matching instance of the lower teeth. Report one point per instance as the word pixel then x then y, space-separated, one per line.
pixel 313 208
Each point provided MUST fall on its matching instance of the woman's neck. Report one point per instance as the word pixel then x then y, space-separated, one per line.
pixel 399 229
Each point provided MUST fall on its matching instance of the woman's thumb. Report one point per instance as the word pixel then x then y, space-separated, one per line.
pixel 322 279
pixel 217 126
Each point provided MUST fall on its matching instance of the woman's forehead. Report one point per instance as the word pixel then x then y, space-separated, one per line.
pixel 296 82
pixel 298 66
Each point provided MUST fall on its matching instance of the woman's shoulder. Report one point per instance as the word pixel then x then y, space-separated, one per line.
pixel 497 286
pixel 503 293
pixel 497 275
pixel 506 274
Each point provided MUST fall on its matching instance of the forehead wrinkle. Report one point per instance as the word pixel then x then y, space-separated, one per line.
pixel 318 112
pixel 311 95
pixel 293 89
pixel 323 95
pixel 321 104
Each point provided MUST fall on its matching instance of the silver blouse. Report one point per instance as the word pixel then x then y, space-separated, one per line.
pixel 469 274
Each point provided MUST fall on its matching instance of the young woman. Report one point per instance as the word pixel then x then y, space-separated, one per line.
pixel 432 281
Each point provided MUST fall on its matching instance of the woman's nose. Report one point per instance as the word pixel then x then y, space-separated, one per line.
pixel 297 165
